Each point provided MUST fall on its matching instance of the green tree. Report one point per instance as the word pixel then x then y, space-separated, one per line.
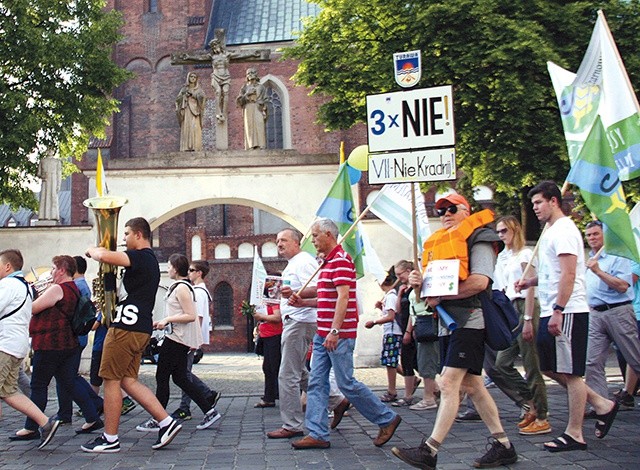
pixel 493 52
pixel 57 76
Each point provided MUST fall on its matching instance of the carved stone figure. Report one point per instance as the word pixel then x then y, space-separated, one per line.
pixel 220 58
pixel 220 77
pixel 190 110
pixel 252 98
pixel 50 172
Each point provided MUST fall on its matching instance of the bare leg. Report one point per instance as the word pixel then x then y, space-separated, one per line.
pixel 409 385
pixel 112 406
pixel 144 396
pixel 391 380
pixel 630 381
pixel 429 390
pixel 483 402
pixel 25 406
pixel 577 398
pixel 450 383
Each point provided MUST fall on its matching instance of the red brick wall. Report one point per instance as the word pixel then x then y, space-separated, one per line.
pixel 147 125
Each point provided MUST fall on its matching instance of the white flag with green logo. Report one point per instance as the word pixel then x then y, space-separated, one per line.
pixel 618 107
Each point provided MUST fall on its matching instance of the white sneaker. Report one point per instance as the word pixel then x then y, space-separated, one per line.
pixel 424 405
pixel 149 425
pixel 209 418
pixel 100 445
pixel 166 434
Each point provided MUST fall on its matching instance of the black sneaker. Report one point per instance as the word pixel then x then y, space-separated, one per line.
pixel 48 431
pixel 127 405
pixel 214 398
pixel 166 434
pixel 181 415
pixel 100 445
pixel 626 401
pixel 468 417
pixel 419 457
pixel 497 454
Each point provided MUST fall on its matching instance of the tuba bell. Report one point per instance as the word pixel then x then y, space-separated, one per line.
pixel 105 210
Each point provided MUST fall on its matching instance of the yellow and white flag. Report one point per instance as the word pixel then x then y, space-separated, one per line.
pixel 101 184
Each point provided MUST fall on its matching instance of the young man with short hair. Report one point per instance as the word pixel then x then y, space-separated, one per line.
pixel 564 316
pixel 128 336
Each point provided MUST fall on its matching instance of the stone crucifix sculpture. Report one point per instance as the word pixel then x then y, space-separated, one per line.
pixel 220 57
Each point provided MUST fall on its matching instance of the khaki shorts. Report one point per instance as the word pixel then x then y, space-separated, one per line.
pixel 122 353
pixel 9 369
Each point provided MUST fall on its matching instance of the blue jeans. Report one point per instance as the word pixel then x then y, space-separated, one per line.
pixel 185 402
pixel 88 401
pixel 63 365
pixel 363 399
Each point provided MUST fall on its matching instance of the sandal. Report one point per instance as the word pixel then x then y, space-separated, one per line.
pixel 605 421
pixel 388 397
pixel 416 384
pixel 403 402
pixel 264 404
pixel 565 443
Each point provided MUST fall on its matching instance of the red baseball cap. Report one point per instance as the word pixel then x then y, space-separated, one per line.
pixel 453 198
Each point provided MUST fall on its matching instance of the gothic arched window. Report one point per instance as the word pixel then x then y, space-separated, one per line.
pixel 274 119
pixel 223 304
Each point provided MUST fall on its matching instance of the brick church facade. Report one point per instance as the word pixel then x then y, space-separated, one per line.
pixel 147 125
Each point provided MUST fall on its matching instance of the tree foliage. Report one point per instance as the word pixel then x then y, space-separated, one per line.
pixel 57 76
pixel 493 52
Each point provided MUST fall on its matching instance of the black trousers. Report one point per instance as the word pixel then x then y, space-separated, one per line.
pixel 172 363
pixel 270 367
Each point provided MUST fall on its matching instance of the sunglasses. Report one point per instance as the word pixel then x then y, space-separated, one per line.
pixel 444 210
pixel 503 231
pixel 191 270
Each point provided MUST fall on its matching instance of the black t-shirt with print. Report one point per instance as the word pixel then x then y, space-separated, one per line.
pixel 137 293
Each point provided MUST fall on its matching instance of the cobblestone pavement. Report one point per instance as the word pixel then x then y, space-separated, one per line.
pixel 238 440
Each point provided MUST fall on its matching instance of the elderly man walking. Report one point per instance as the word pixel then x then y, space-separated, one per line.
pixel 611 315
pixel 334 342
pixel 463 238
pixel 298 328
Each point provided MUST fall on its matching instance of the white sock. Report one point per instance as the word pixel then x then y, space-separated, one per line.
pixel 165 422
pixel 111 438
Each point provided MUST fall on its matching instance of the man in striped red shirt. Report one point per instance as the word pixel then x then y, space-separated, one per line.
pixel 334 342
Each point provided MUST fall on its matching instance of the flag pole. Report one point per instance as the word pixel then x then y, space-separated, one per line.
pixel 414 227
pixel 342 239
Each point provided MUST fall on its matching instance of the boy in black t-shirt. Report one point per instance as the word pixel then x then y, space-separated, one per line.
pixel 128 336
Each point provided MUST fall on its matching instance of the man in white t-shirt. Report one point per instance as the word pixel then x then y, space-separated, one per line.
pixel 198 270
pixel 298 328
pixel 564 317
pixel 15 313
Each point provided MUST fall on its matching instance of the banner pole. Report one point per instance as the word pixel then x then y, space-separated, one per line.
pixel 414 227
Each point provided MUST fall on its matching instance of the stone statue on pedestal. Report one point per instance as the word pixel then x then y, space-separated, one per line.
pixel 190 110
pixel 220 58
pixel 252 99
pixel 50 172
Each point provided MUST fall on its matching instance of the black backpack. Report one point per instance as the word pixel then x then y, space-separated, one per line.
pixel 84 315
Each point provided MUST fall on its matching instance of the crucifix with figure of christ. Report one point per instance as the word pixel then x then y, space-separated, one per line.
pixel 220 58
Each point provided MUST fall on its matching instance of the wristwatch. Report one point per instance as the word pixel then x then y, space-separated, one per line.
pixel 334 331
pixel 557 307
pixel 528 318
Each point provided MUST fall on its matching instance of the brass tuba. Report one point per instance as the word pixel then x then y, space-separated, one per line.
pixel 106 210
